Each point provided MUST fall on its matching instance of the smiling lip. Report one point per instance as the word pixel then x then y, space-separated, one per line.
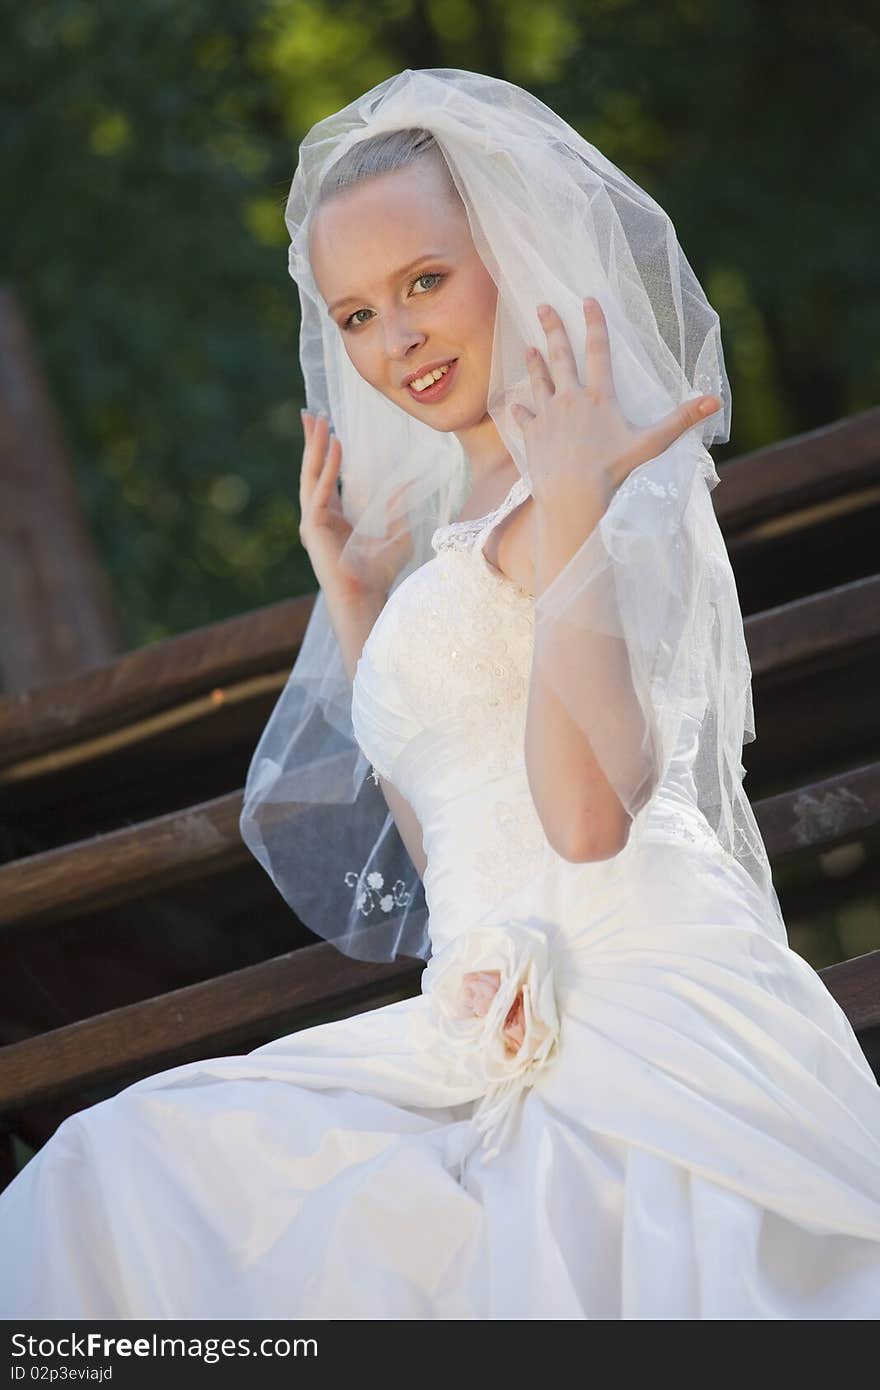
pixel 440 387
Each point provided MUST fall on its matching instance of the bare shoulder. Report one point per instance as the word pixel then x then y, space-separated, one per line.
pixel 510 546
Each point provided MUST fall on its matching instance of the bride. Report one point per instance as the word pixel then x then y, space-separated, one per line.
pixel 510 746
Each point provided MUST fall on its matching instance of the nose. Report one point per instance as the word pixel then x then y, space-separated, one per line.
pixel 402 337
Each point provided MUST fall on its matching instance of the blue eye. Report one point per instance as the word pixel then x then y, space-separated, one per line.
pixel 354 322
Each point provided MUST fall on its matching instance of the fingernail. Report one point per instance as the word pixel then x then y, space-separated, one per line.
pixel 708 407
pixel 543 310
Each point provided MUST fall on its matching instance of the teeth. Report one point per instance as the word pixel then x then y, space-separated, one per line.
pixel 428 380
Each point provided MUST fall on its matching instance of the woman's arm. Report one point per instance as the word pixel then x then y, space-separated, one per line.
pixel 353 605
pixel 582 816
pixel 580 448
pixel 581 813
pixel 352 622
pixel 407 824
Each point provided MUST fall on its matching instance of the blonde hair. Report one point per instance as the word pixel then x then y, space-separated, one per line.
pixel 380 154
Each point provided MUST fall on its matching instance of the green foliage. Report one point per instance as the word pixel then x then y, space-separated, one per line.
pixel 149 149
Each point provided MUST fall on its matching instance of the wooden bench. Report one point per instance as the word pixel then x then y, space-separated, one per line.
pixel 124 882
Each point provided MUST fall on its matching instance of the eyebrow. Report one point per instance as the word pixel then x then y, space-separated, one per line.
pixel 395 275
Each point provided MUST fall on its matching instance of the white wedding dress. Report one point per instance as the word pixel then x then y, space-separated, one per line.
pixel 703 1140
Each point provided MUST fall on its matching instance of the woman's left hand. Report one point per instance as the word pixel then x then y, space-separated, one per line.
pixel 577 437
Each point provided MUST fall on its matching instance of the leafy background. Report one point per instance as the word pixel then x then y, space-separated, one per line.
pixel 146 153
pixel 148 150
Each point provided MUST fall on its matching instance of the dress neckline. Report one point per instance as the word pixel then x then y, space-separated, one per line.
pixel 476 523
pixel 472 533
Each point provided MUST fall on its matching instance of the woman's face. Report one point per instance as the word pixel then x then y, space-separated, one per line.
pixel 396 264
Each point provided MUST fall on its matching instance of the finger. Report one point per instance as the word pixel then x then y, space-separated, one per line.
pixel 326 483
pixel 310 428
pixel 655 438
pixel 309 419
pixel 317 435
pixel 522 416
pixel 306 472
pixel 597 364
pixel 563 368
pixel 317 432
pixel 307 434
pixel 539 376
pixel 317 490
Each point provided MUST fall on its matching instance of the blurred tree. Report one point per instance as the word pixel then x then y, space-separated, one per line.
pixel 756 127
pixel 146 155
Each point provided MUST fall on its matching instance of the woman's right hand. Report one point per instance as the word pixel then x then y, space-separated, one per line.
pixel 345 576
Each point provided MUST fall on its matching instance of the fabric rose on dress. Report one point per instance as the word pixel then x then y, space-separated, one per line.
pixel 494 1002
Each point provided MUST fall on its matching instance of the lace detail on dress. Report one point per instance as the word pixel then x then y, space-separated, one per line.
pixel 638 482
pixel 452 650
pixel 461 535
pixel 515 846
pixel 464 658
pixel 691 827
pixel 469 661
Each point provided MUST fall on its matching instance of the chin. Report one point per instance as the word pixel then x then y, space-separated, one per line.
pixel 452 423
pixel 445 421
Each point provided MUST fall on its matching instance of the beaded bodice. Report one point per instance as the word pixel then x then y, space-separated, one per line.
pixel 464 631
pixel 439 707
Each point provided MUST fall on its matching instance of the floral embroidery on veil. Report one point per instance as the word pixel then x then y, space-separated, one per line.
pixel 371 897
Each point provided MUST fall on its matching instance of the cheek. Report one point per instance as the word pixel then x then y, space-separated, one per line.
pixel 483 306
pixel 363 358
pixel 473 314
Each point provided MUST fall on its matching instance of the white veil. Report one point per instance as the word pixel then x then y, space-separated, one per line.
pixel 650 591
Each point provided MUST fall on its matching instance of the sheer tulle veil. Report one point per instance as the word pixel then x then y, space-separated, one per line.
pixel 553 220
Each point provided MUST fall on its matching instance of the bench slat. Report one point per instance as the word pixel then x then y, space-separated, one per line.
pixel 793 474
pixel 197 1021
pixel 151 679
pixel 287 992
pixel 798 472
pixel 189 845
pixel 822 631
